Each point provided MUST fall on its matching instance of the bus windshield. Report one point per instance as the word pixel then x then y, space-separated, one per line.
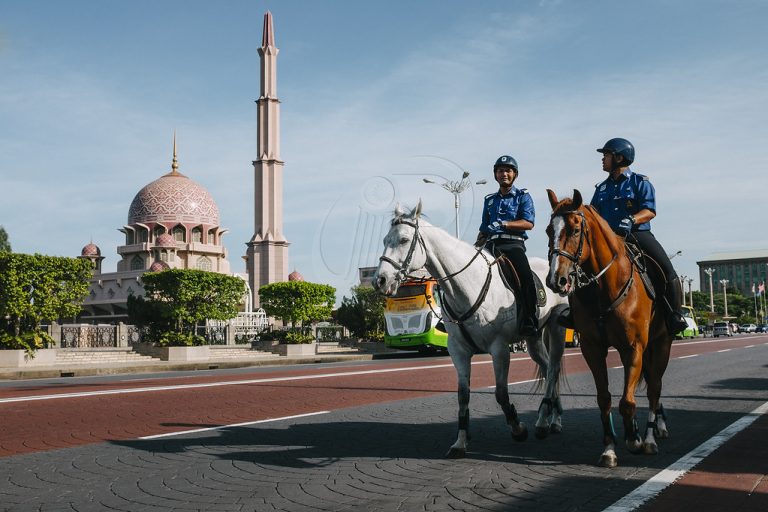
pixel 411 290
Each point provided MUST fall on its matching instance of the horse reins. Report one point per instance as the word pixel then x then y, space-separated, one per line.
pixel 584 279
pixel 402 274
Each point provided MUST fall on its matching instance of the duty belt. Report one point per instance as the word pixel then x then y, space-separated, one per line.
pixel 506 237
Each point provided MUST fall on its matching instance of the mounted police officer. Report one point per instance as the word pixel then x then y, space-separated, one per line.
pixel 507 215
pixel 627 201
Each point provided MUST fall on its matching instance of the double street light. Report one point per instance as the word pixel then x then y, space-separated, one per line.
pixel 456 188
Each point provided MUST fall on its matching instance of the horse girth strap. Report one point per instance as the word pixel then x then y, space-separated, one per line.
pixel 478 302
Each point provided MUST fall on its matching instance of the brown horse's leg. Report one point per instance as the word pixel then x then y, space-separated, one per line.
pixel 632 359
pixel 595 358
pixel 656 360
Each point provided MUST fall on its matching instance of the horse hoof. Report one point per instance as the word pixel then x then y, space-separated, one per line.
pixel 608 461
pixel 650 448
pixel 522 434
pixel 555 429
pixel 635 447
pixel 542 432
pixel 663 434
pixel 456 453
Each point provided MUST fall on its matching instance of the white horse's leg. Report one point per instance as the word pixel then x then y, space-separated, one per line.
pixel 551 353
pixel 500 356
pixel 462 360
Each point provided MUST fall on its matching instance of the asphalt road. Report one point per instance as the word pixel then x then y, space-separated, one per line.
pixel 363 436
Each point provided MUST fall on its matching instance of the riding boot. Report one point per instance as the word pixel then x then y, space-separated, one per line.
pixel 529 321
pixel 566 319
pixel 674 299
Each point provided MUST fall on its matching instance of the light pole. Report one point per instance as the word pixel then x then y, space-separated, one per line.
pixel 682 285
pixel 709 272
pixel 456 188
pixel 678 253
pixel 724 282
pixel 690 291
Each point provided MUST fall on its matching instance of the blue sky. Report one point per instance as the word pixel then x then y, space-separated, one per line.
pixel 376 96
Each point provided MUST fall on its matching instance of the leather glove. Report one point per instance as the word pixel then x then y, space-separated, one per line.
pixel 496 227
pixel 625 226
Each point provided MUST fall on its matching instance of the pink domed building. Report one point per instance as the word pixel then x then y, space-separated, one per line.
pixel 173 222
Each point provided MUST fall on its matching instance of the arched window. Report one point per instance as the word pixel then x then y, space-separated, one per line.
pixel 197 235
pixel 204 263
pixel 143 235
pixel 129 237
pixel 179 234
pixel 159 230
pixel 137 263
pixel 211 236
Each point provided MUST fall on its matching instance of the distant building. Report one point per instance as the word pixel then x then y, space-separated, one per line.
pixel 742 269
pixel 366 276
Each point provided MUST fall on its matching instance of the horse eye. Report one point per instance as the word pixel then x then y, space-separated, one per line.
pixel 403 241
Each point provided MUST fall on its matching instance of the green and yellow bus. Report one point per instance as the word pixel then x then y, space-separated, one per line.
pixel 411 317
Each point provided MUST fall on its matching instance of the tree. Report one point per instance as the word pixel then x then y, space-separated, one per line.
pixel 35 289
pixel 5 244
pixel 298 301
pixel 363 313
pixel 177 300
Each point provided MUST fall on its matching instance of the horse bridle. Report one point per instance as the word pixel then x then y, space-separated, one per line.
pixel 583 278
pixel 403 268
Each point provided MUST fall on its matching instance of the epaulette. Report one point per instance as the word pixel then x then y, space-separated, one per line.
pixel 490 195
pixel 642 176
pixel 598 184
pixel 523 190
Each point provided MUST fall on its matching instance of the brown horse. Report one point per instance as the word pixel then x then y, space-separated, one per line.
pixel 590 264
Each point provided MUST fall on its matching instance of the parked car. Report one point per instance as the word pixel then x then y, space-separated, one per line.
pixel 721 329
pixel 762 328
pixel 747 328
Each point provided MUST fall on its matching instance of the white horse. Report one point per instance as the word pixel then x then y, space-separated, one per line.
pixel 483 315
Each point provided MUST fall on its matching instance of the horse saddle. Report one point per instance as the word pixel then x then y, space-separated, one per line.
pixel 649 269
pixel 512 280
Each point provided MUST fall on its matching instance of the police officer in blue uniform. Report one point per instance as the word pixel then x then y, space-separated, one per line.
pixel 507 215
pixel 627 201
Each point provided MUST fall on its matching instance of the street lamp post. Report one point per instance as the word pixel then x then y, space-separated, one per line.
pixel 456 188
pixel 724 282
pixel 690 291
pixel 682 286
pixel 709 272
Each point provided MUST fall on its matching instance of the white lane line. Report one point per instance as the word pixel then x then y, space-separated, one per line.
pixel 231 383
pixel 677 469
pixel 686 357
pixel 208 429
pixel 724 350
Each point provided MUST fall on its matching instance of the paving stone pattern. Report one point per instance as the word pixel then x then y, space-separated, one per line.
pixel 384 457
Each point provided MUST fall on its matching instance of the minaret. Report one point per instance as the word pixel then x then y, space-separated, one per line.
pixel 267 254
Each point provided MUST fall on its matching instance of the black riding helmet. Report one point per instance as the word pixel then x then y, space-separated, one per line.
pixel 619 146
pixel 505 161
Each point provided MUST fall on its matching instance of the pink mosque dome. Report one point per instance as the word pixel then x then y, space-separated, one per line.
pixel 165 240
pixel 295 276
pixel 91 250
pixel 173 198
pixel 159 266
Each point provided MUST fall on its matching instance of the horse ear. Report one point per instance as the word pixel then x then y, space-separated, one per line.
pixel 552 198
pixel 417 211
pixel 399 211
pixel 577 200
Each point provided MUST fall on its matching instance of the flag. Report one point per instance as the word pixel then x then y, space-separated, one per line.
pixel 761 288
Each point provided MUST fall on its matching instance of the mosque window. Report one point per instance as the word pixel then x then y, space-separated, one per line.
pixel 143 236
pixel 163 256
pixel 129 238
pixel 137 263
pixel 211 236
pixel 159 230
pixel 197 235
pixel 179 234
pixel 204 263
pixel 173 256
